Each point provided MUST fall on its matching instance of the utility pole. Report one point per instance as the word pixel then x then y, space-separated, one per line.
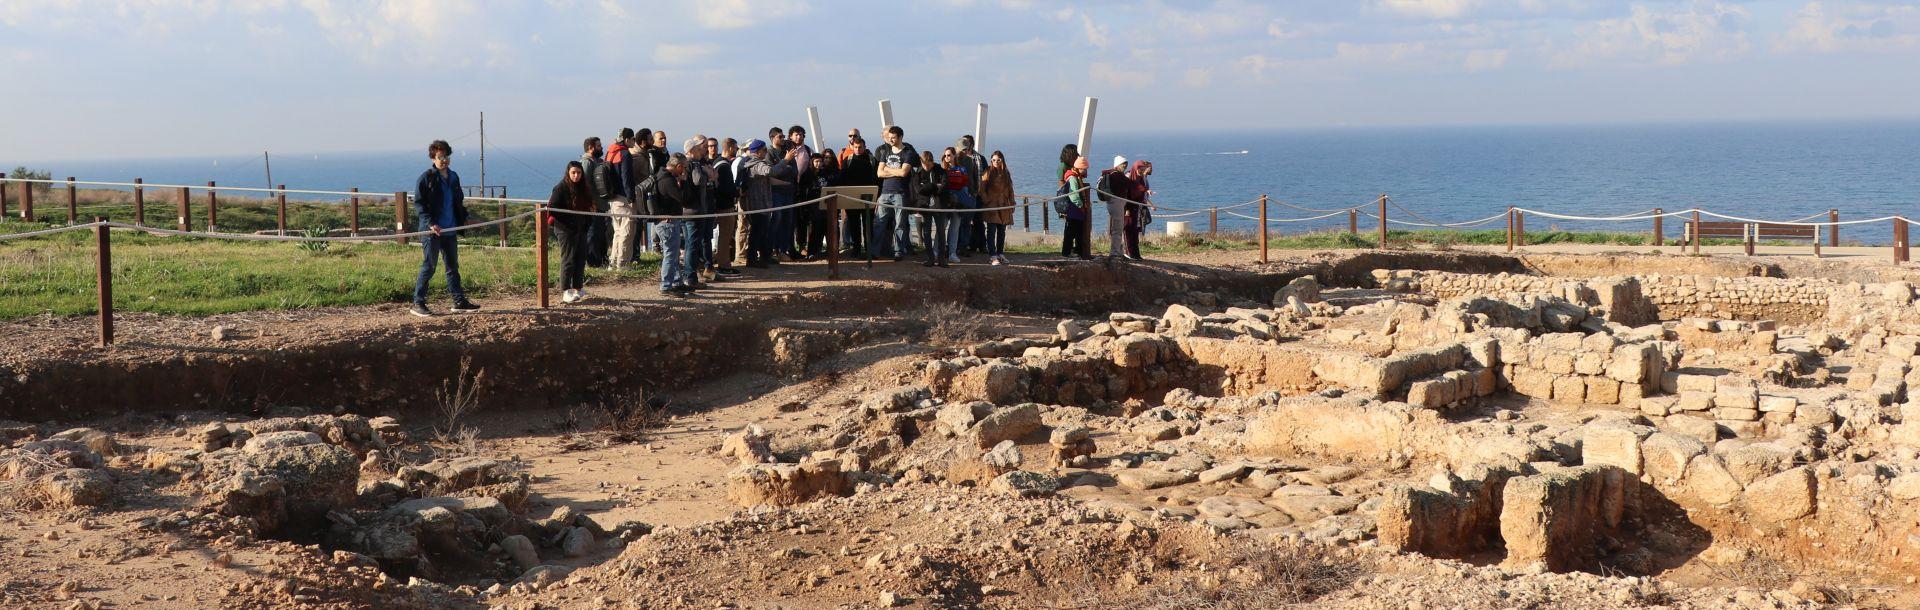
pixel 269 159
pixel 483 153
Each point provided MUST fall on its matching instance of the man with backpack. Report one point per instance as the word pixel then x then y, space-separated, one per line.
pixel 973 232
pixel 593 162
pixel 620 178
pixel 893 161
pixel 702 181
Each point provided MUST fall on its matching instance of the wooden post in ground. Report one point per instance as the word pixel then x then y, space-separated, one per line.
pixel 1752 235
pixel 1046 212
pixel 1659 232
pixel 73 202
pixel 185 219
pixel 281 198
pixel 1353 221
pixel 353 213
pixel 103 265
pixel 1509 228
pixel 1833 231
pixel 1026 218
pixel 1519 228
pixel 3 198
pixel 1263 229
pixel 1896 240
pixel 1213 221
pixel 1383 221
pixel 400 216
pixel 1694 235
pixel 540 252
pixel 139 203
pixel 833 237
pixel 26 201
pixel 213 208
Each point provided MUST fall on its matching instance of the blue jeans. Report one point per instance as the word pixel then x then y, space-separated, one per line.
pixel 675 242
pixel 958 223
pixel 889 237
pixel 445 245
pixel 781 231
pixel 700 257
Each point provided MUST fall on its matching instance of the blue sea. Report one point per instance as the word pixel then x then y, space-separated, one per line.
pixel 1777 170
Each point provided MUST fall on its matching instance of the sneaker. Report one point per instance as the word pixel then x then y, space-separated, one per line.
pixel 674 291
pixel 420 309
pixel 995 261
pixel 942 264
pixel 464 306
pixel 727 271
pixel 898 258
pixel 569 296
pixel 579 295
pixel 953 258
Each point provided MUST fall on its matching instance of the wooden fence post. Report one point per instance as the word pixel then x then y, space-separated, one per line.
pixel 353 213
pixel 26 201
pixel 1026 218
pixel 3 198
pixel 281 198
pixel 503 214
pixel 1353 221
pixel 1263 229
pixel 1752 234
pixel 1659 232
pixel 1383 221
pixel 1693 235
pixel 1046 212
pixel 139 203
pixel 833 237
pixel 540 251
pixel 1213 221
pixel 400 216
pixel 1833 231
pixel 103 264
pixel 186 210
pixel 73 202
pixel 1519 228
pixel 213 208
pixel 1899 240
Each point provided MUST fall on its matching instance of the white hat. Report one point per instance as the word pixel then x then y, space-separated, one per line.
pixel 1119 161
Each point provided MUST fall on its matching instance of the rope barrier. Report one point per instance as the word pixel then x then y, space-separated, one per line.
pixel 1273 220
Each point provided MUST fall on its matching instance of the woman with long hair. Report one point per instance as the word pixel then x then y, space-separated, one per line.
pixel 931 193
pixel 1067 154
pixel 571 230
pixel 996 191
pixel 1140 210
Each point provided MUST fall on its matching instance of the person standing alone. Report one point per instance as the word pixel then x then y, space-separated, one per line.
pixel 440 206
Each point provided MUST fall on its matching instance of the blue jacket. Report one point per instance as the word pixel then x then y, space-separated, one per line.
pixel 427 189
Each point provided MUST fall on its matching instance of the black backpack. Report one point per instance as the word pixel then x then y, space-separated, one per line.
pixel 1061 204
pixel 1105 186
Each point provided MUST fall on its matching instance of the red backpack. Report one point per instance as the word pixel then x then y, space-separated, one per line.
pixel 956 178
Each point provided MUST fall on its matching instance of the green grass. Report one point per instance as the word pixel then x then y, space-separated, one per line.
pixel 248 215
pixel 56 275
pixel 1338 240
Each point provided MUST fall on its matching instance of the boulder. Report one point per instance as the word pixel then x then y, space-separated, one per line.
pixel 288 484
pixel 751 445
pixel 1304 288
pixel 786 484
pixel 577 542
pixel 76 487
pixel 1563 517
pixel 100 442
pixel 1010 423
pixel 1782 497
pixel 1152 478
pixel 281 439
pixel 1025 484
pixel 521 551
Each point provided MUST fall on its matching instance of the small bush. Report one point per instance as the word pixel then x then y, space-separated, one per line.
pixel 1257 577
pixel 315 247
pixel 951 324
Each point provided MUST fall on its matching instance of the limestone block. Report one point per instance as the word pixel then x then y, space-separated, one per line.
pixel 1692 382
pixel 1656 406
pixel 1616 445
pixel 1589 363
pixel 1708 480
pixel 1561 518
pixel 1736 398
pixel 1569 389
pixel 1694 401
pixel 1736 415
pixel 1603 391
pixel 1782 497
pixel 1664 457
pixel 1778 404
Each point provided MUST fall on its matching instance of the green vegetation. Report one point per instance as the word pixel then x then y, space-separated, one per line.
pixel 1337 240
pixel 249 214
pixel 55 274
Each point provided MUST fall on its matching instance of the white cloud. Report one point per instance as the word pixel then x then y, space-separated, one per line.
pixel 1119 76
pixel 1852 27
pixel 1197 78
pixel 736 14
pixel 1096 34
pixel 1481 60
pixel 678 54
pixel 1704 30
pixel 410 32
pixel 1430 9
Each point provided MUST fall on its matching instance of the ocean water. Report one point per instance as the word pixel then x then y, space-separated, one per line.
pixel 1777 171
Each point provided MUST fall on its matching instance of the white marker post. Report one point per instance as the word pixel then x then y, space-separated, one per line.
pixel 980 128
pixel 813 126
pixel 1086 150
pixel 886 114
pixel 1085 143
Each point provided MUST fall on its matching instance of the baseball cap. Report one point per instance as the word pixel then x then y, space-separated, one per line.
pixel 756 145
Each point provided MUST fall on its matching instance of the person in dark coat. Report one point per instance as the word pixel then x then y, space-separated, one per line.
pixel 573 231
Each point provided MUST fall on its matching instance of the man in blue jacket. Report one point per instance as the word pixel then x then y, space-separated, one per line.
pixel 440 206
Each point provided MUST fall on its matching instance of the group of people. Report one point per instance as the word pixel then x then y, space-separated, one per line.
pixel 755 205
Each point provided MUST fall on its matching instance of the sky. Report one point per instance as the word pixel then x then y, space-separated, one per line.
pixel 162 78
